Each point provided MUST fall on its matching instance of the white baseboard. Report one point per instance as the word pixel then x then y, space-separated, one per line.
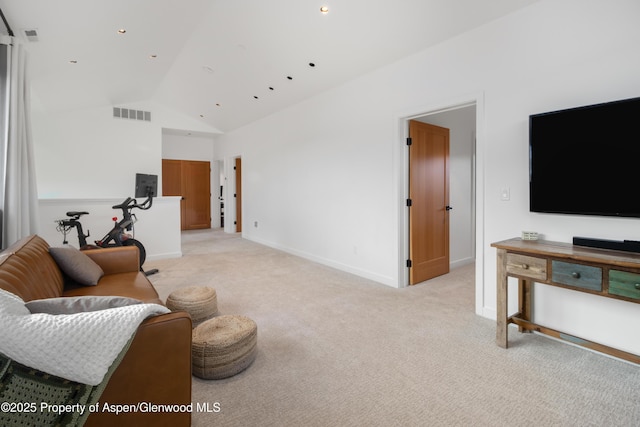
pixel 157 257
pixel 461 262
pixel 385 280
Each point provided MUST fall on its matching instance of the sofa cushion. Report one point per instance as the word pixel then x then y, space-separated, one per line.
pixel 132 285
pixel 78 266
pixel 81 304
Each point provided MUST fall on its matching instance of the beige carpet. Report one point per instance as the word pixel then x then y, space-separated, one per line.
pixel 338 350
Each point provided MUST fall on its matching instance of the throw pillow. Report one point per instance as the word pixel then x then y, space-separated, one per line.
pixel 81 304
pixel 76 265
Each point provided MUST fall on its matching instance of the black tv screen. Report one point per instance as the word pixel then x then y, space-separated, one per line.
pixel 146 185
pixel 586 160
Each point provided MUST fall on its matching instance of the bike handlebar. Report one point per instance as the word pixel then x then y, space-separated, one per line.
pixel 130 203
pixel 123 205
pixel 146 204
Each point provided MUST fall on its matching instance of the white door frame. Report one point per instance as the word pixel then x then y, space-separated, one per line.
pixel 402 185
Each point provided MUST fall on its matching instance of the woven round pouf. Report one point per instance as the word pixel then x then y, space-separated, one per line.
pixel 223 346
pixel 200 302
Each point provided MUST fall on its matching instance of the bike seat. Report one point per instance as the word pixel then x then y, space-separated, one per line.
pixel 76 214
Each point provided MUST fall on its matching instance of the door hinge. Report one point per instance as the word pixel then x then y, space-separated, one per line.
pixel 409 263
pixel 409 202
pixel 409 142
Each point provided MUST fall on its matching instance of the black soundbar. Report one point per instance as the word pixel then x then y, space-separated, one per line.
pixel 618 245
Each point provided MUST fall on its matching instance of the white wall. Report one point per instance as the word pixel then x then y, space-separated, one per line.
pixel 322 178
pixel 187 147
pixel 88 153
pixel 319 182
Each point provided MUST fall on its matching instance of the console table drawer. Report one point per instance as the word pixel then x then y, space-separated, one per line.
pixel 528 266
pixel 624 284
pixel 578 275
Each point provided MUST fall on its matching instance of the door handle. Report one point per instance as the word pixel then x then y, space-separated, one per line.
pixel 448 208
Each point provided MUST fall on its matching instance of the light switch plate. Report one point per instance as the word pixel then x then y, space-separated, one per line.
pixel 505 194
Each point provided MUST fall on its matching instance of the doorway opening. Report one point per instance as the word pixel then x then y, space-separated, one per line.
pixel 219 187
pixel 428 204
pixel 238 194
pixel 233 195
pixel 464 121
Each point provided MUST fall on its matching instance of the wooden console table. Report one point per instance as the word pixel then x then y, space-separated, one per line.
pixel 602 272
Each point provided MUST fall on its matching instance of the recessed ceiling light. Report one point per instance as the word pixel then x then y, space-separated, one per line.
pixel 324 9
pixel 122 31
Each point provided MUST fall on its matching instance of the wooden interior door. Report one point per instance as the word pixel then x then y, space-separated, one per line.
pixel 197 185
pixel 191 180
pixel 172 183
pixel 238 194
pixel 429 207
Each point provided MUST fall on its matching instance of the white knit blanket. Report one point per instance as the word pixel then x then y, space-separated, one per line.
pixel 80 347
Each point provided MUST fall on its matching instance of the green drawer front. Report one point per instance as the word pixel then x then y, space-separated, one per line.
pixel 578 275
pixel 624 284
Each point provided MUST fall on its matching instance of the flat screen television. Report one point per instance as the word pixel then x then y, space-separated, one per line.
pixel 146 185
pixel 586 160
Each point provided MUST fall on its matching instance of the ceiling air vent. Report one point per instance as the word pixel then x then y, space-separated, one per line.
pixel 31 35
pixel 126 113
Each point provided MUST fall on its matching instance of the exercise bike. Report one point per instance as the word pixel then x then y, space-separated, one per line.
pixel 117 236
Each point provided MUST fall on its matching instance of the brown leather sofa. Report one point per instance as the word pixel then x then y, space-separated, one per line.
pixel 156 368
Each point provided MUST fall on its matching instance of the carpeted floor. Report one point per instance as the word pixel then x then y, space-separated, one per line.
pixel 338 350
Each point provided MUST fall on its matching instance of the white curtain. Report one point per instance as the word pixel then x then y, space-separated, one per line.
pixel 20 195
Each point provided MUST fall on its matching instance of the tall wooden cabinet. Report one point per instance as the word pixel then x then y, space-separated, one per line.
pixel 191 180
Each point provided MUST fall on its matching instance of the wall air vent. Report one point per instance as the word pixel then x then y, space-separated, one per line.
pixel 126 113
pixel 31 35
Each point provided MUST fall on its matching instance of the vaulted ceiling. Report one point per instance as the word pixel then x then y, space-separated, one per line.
pixel 224 62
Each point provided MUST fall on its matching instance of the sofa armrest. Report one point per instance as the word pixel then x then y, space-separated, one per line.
pixel 156 370
pixel 121 259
